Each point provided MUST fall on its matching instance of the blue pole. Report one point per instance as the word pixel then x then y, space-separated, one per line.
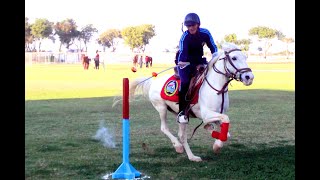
pixel 126 140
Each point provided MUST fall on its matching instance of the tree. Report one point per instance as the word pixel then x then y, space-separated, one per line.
pixel 86 34
pixel 263 33
pixel 138 36
pixel 110 38
pixel 42 29
pixel 288 41
pixel 148 32
pixel 28 38
pixel 243 43
pixel 131 37
pixel 280 35
pixel 67 32
pixel 285 39
pixel 231 38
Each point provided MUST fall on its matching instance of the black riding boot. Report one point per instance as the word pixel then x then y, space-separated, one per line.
pixel 183 105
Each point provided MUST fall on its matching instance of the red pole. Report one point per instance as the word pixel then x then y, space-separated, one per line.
pixel 125 106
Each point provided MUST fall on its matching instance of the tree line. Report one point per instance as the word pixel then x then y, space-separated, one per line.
pixel 69 34
pixel 136 37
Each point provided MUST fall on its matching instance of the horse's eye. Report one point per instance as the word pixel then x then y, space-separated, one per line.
pixel 234 58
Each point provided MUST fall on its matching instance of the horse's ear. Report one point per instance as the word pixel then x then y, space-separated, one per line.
pixel 228 46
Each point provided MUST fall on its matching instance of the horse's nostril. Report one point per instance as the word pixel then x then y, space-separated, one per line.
pixel 247 77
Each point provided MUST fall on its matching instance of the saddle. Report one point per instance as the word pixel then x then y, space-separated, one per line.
pixel 170 88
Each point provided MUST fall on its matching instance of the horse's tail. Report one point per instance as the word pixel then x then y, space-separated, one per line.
pixel 139 86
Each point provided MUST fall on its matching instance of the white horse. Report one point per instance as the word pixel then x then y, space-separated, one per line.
pixel 213 99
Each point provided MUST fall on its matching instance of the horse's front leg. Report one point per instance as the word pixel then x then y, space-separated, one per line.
pixel 223 121
pixel 183 139
pixel 211 127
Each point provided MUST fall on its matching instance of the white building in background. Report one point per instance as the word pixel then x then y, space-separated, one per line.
pixel 257 46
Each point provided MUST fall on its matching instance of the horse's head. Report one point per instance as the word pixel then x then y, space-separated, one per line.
pixel 234 64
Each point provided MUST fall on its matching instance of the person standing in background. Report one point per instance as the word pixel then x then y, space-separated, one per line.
pixel 97 60
pixel 140 61
pixel 85 61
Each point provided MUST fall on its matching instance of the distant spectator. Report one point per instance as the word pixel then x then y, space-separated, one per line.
pixel 97 60
pixel 148 60
pixel 140 61
pixel 135 60
pixel 85 61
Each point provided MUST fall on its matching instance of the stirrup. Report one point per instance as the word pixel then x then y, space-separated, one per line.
pixel 182 119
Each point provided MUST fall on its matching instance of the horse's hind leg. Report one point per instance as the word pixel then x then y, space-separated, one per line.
pixel 164 128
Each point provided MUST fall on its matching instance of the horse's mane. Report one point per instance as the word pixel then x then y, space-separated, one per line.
pixel 227 46
pixel 214 59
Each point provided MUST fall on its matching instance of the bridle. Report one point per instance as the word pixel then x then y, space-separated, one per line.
pixel 236 75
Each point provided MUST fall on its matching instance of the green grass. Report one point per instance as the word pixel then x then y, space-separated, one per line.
pixel 65 104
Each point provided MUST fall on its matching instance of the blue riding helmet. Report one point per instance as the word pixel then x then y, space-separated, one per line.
pixel 191 19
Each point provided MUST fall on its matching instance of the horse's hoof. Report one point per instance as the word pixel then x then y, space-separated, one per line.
pixel 196 159
pixel 217 146
pixel 216 149
pixel 179 149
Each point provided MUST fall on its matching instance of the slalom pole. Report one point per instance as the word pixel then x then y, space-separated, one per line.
pixel 125 170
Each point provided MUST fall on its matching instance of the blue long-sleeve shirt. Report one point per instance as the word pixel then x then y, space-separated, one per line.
pixel 191 46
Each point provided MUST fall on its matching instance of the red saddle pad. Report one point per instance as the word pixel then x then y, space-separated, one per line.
pixel 170 90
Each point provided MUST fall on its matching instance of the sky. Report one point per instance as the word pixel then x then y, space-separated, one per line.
pixel 220 17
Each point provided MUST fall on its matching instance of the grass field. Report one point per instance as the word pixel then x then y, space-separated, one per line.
pixel 65 105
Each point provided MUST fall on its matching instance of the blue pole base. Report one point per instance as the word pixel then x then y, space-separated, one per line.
pixel 126 171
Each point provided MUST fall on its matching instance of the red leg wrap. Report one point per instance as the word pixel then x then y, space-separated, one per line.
pixel 215 134
pixel 224 127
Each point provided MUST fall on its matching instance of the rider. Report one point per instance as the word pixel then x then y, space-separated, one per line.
pixel 190 55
